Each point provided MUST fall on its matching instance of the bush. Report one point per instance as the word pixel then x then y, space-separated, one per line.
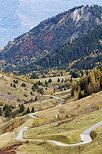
pixel 34 76
pixel 23 85
pixel 78 105
pixel 13 85
pixel 25 95
pixel 16 81
pixel 34 87
pixel 40 90
pixel 18 99
pixel 93 135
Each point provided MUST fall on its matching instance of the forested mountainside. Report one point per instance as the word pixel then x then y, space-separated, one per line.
pixel 85 52
pixel 49 36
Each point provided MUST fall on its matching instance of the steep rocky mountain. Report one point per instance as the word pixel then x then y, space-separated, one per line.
pixel 50 35
pixel 19 16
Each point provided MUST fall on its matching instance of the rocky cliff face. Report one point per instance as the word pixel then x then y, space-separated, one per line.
pixel 51 34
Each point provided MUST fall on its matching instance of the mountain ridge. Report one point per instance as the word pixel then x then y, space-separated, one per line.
pixel 51 34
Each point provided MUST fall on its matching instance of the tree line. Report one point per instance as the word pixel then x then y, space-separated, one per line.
pixel 8 112
pixel 87 84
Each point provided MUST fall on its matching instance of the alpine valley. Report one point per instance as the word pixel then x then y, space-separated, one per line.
pixel 51 84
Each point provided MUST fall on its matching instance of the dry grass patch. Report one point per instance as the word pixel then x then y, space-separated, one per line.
pixel 85 105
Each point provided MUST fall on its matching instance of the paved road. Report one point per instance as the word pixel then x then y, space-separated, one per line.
pixel 51 96
pixel 32 115
pixel 85 135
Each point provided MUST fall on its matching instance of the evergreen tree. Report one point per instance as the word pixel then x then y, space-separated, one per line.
pixel 86 87
pixel 16 81
pixel 80 95
pixel 8 112
pixel 0 112
pixel 31 93
pixel 36 98
pixel 4 107
pixel 23 85
pixel 22 108
pixel 58 80
pixel 13 115
pixel 34 76
pixel 14 85
pixel 33 110
pixel 54 90
pixel 28 110
pixel 82 84
pixel 101 82
pixel 72 92
pixel 46 83
pixel 33 88
pixel 62 80
pixel 50 80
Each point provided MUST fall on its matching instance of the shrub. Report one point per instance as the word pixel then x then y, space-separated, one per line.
pixel 16 81
pixel 18 99
pixel 13 85
pixel 38 122
pixel 93 135
pixel 78 105
pixel 40 90
pixel 23 85
pixel 25 95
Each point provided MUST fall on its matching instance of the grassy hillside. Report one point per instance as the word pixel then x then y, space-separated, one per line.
pixel 15 90
pixel 56 121
pixel 66 130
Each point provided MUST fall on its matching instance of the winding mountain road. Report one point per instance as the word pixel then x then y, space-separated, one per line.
pixel 85 135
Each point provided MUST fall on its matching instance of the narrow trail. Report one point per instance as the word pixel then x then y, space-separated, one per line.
pixel 85 135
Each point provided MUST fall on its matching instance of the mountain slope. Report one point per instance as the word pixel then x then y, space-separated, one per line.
pixel 50 35
pixel 85 52
pixel 19 16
